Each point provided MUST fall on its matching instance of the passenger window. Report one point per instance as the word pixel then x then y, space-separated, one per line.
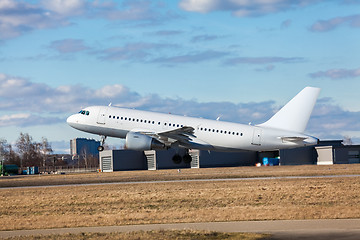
pixel 225 132
pixel 109 116
pixel 117 117
pixel 153 122
pixel 241 134
pixel 87 113
pixel 113 117
pixel 159 123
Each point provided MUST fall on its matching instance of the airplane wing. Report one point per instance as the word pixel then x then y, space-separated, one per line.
pixel 182 135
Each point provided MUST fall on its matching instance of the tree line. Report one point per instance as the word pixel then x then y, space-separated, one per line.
pixel 27 152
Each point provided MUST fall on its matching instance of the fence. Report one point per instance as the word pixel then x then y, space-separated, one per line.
pixel 67 169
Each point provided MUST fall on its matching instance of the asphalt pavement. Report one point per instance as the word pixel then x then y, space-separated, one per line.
pixel 344 229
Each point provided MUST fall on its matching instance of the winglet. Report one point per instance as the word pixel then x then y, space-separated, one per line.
pixel 295 115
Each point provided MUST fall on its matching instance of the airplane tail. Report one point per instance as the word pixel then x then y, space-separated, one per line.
pixel 295 115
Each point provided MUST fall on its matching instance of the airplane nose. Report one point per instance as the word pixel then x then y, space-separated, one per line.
pixel 71 120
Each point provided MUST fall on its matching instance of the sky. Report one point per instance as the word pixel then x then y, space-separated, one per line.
pixel 237 59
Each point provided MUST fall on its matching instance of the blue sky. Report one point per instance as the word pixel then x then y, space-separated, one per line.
pixel 241 60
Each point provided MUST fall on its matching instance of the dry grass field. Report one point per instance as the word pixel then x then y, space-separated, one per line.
pixel 173 202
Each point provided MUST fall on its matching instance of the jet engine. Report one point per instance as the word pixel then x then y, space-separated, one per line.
pixel 140 142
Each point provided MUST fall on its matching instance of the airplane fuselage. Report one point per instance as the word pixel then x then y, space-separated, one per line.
pixel 207 134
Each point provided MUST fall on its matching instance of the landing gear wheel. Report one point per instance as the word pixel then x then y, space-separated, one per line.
pixel 187 158
pixel 102 141
pixel 177 159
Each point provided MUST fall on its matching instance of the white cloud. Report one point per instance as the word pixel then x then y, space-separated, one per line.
pixel 27 119
pixel 40 104
pixel 331 24
pixel 137 51
pixel 263 60
pixel 14 116
pixel 337 73
pixel 111 91
pixel 20 17
pixel 17 18
pixel 243 8
pixel 65 7
pixel 68 45
pixel 204 38
pixel 195 57
pixel 202 6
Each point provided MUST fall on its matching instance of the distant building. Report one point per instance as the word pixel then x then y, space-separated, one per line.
pixel 84 147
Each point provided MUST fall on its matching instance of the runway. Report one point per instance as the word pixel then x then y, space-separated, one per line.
pixel 188 180
pixel 348 229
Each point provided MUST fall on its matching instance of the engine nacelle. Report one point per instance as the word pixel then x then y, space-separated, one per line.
pixel 140 142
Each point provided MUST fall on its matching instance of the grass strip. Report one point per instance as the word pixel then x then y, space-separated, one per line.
pixel 151 235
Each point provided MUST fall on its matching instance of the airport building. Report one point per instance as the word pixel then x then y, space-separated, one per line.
pixel 83 147
pixel 325 153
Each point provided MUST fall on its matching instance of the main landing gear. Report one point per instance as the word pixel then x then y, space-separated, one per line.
pixel 186 158
pixel 101 147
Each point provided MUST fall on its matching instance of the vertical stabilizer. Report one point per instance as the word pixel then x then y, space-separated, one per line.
pixel 295 115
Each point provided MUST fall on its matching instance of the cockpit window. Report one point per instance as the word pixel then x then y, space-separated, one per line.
pixel 83 112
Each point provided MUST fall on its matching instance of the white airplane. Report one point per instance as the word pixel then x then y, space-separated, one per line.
pixel 144 130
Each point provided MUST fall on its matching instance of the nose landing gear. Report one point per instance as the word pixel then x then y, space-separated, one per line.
pixel 101 147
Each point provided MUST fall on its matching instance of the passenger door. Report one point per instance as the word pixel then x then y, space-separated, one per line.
pixel 256 140
pixel 102 115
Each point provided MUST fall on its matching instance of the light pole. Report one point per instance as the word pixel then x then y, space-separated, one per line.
pixel 2 165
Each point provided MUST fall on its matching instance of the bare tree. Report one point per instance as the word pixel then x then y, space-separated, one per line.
pixel 44 149
pixel 347 140
pixel 84 155
pixel 28 150
pixel 6 151
pixel 4 148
